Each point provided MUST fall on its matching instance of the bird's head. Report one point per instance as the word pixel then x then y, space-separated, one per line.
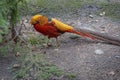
pixel 39 19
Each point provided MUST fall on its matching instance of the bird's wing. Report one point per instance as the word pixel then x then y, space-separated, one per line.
pixel 61 26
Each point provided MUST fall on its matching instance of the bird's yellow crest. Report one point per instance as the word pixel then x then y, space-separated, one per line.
pixel 40 19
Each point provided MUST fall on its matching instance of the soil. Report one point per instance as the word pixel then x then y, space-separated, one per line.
pixel 88 59
pixel 6 63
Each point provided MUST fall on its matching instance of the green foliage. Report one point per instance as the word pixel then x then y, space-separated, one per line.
pixel 3 23
pixel 4 50
pixel 11 48
pixel 18 48
pixel 34 66
pixel 43 6
pixel 9 14
pixel 111 9
pixel 71 76
pixel 37 40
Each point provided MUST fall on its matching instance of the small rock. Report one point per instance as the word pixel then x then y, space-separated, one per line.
pixel 102 14
pixel 96 20
pixel 18 54
pixel 44 44
pixel 91 16
pixel 98 43
pixel 16 65
pixel 99 51
pixel 117 35
pixel 74 36
pixel 117 56
pixel 112 73
pixel 56 49
pixel 89 21
pixel 49 44
pixel 103 31
pixel 26 21
pixel 2 79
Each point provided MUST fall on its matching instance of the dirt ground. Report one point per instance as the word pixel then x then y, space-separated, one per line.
pixel 5 67
pixel 89 60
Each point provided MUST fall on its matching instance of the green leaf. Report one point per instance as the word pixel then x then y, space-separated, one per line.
pixel 0 38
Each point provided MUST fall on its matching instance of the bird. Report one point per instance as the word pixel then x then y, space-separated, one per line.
pixel 52 28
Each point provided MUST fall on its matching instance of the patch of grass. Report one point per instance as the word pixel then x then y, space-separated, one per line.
pixel 111 9
pixel 43 6
pixel 18 48
pixel 10 47
pixel 34 67
pixel 71 76
pixel 37 40
pixel 4 50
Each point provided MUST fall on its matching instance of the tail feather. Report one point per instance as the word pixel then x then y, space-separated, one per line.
pixel 95 35
pixel 83 34
pixel 101 36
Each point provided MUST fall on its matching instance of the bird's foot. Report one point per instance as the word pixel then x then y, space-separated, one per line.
pixel 46 45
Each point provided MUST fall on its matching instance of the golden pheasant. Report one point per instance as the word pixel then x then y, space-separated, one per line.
pixel 52 28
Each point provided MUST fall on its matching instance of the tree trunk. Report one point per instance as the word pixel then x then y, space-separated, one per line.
pixel 14 34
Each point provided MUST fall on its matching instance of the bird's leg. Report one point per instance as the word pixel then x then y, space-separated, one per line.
pixel 57 42
pixel 46 39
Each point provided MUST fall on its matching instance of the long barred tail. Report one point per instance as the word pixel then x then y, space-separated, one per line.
pixel 82 33
pixel 95 35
